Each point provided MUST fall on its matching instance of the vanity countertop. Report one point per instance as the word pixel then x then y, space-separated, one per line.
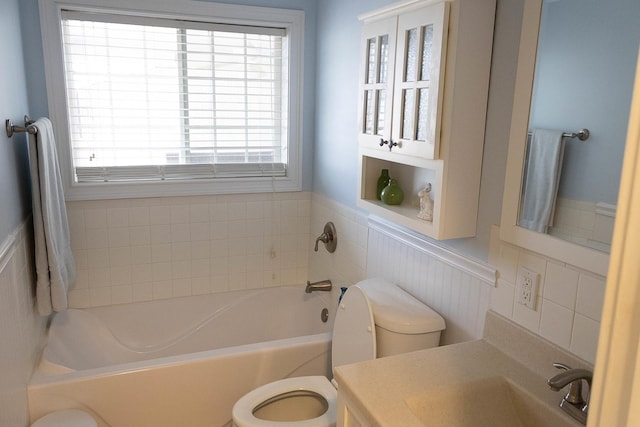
pixel 391 391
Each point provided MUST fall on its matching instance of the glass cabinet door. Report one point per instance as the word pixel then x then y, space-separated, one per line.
pixel 376 86
pixel 419 78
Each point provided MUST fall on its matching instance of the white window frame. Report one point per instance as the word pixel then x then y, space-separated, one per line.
pixel 291 20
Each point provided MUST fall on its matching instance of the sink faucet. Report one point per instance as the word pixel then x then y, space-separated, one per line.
pixel 572 403
pixel 322 285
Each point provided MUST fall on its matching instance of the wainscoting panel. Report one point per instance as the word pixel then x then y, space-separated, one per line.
pixel 456 287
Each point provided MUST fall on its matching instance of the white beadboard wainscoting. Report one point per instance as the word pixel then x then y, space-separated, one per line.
pixel 21 328
pixel 457 287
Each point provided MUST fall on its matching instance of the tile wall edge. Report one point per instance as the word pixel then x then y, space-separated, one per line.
pixel 477 269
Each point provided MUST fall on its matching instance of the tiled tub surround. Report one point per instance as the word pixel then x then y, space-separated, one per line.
pixel 145 249
pixel 568 304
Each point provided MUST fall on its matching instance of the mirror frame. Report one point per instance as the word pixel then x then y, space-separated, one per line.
pixel 579 256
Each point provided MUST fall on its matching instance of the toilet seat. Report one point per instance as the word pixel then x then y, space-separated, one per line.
pixel 243 409
pixel 353 340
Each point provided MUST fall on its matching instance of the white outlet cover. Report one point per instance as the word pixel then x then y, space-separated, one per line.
pixel 527 287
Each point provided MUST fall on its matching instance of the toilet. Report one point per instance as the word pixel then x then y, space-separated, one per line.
pixel 66 418
pixel 374 319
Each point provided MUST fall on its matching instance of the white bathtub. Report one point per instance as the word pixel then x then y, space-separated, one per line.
pixel 179 362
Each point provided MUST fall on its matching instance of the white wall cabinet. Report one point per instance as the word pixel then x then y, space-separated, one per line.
pixel 423 94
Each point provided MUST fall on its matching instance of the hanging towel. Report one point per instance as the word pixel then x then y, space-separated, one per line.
pixel 55 268
pixel 542 176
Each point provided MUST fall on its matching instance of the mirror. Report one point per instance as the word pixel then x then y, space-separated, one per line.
pixel 563 250
pixel 584 74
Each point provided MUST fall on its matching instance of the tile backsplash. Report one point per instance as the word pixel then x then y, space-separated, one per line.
pixel 568 302
pixel 153 248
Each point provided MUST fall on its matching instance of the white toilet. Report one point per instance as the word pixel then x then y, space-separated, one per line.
pixel 401 324
pixel 66 418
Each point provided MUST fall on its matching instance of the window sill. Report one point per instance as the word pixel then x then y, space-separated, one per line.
pixel 202 187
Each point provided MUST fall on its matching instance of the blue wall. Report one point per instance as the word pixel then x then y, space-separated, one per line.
pixel 15 203
pixel 332 43
pixel 584 79
pixel 335 165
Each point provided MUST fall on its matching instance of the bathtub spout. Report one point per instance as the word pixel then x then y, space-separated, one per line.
pixel 322 285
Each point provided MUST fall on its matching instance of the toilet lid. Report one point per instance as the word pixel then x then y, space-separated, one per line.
pixel 354 338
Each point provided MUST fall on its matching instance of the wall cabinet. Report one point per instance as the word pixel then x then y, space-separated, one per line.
pixel 423 94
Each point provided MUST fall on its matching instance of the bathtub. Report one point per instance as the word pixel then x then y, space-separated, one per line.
pixel 179 362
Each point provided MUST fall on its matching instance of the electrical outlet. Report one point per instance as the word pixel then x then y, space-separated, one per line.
pixel 527 287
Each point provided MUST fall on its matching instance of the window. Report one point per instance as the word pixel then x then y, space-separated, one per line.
pixel 170 103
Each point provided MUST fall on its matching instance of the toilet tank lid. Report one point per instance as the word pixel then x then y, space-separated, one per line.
pixel 398 311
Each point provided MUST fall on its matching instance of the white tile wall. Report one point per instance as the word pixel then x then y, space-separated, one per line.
pixel 153 248
pixel 586 223
pixel 569 301
pixel 347 265
pixel 21 328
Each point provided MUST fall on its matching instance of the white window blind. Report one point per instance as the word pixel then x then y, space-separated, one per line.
pixel 157 99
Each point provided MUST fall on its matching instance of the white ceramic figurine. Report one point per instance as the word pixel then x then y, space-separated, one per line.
pixel 426 203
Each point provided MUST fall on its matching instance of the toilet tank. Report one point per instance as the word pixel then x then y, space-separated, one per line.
pixel 403 323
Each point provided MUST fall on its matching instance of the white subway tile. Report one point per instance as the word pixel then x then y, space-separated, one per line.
pixel 140 235
pixel 141 254
pixel 120 275
pixel 180 232
pixel 117 217
pixel 119 237
pixel 502 297
pixel 139 216
pixel 590 296
pixel 99 278
pixel 561 285
pixel 100 296
pixel 97 258
pixel 161 253
pixel 556 323
pixel 181 287
pixel 179 214
pixel 181 251
pixel 142 291
pixel 95 218
pixel 97 238
pixel 584 341
pixel 159 215
pixel 141 273
pixel 122 294
pixel 162 289
pixel 199 213
pixel 526 317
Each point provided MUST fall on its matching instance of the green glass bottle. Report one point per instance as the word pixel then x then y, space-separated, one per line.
pixel 383 181
pixel 392 193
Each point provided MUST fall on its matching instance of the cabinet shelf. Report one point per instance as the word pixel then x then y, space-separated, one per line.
pixel 424 83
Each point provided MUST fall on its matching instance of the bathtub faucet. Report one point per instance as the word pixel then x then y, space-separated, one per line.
pixel 322 285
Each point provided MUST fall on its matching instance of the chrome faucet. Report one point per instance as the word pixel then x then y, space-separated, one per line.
pixel 572 403
pixel 322 285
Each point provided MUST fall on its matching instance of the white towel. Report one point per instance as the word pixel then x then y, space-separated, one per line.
pixel 55 268
pixel 542 176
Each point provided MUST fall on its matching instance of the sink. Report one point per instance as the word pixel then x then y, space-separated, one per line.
pixel 490 402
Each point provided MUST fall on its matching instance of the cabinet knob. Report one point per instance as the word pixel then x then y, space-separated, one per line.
pixel 391 144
